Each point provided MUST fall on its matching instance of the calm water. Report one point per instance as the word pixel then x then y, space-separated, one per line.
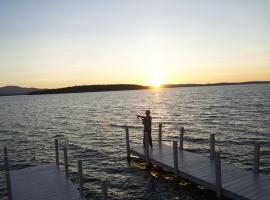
pixel 91 125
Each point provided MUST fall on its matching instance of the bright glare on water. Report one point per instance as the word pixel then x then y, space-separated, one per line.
pixel 91 124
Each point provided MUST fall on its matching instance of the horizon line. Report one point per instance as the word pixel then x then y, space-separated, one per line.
pixel 145 85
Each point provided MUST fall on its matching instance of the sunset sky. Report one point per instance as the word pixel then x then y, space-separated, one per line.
pixel 57 43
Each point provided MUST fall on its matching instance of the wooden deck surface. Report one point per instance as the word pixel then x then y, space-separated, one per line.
pixel 236 183
pixel 45 182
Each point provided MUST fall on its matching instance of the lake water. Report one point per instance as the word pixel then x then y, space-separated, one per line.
pixel 91 125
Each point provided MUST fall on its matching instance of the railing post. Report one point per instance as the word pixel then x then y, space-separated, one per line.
pixel 80 171
pixel 56 152
pixel 66 161
pixel 159 133
pixel 146 147
pixel 212 146
pixel 104 190
pixel 257 158
pixel 218 175
pixel 182 130
pixel 127 143
pixel 8 182
pixel 175 158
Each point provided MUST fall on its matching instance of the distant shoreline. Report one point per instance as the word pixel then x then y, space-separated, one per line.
pixel 121 87
pixel 15 90
pixel 216 84
pixel 90 88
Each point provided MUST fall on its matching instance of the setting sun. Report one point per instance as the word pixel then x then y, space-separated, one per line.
pixel 156 83
pixel 155 77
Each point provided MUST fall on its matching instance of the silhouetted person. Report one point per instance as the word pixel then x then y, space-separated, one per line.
pixel 147 126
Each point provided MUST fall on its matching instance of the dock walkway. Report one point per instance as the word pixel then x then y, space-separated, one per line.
pixel 226 180
pixel 45 182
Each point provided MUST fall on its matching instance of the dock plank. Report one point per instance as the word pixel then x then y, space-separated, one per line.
pixel 236 183
pixel 45 182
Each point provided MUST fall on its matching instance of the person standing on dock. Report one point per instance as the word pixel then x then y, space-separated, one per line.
pixel 147 126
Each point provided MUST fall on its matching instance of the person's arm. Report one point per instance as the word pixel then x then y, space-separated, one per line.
pixel 140 116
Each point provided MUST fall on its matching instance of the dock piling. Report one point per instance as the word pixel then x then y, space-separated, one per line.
pixel 175 158
pixel 80 171
pixel 127 143
pixel 8 182
pixel 257 158
pixel 66 161
pixel 56 152
pixel 182 130
pixel 218 175
pixel 104 190
pixel 212 146
pixel 159 133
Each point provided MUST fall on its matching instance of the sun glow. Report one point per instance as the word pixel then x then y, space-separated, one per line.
pixel 156 83
pixel 156 77
pixel 156 61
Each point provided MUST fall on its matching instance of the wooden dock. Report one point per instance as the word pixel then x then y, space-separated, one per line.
pixel 224 179
pixel 45 182
pixel 48 182
pixel 42 182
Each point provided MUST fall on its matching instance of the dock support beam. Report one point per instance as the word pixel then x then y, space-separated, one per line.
pixel 218 175
pixel 56 152
pixel 127 143
pixel 159 133
pixel 66 161
pixel 104 190
pixel 8 182
pixel 257 158
pixel 80 171
pixel 182 130
pixel 212 146
pixel 175 158
pixel 146 147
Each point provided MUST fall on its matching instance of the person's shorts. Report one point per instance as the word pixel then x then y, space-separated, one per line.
pixel 147 131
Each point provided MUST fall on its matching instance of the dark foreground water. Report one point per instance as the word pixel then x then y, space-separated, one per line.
pixel 91 125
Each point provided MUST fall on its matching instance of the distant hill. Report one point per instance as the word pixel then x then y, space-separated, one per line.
pixel 91 88
pixel 118 87
pixel 15 90
pixel 214 84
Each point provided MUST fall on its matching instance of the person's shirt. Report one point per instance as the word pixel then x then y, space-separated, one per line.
pixel 147 122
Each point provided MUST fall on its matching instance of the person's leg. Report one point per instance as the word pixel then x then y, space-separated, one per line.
pixel 144 138
pixel 150 139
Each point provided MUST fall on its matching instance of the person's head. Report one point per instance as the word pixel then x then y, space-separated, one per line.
pixel 147 112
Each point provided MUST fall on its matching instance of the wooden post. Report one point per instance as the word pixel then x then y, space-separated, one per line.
pixel 56 152
pixel 8 182
pixel 159 133
pixel 182 130
pixel 104 190
pixel 127 143
pixel 66 161
pixel 175 158
pixel 80 176
pixel 212 146
pixel 146 147
pixel 257 158
pixel 218 175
